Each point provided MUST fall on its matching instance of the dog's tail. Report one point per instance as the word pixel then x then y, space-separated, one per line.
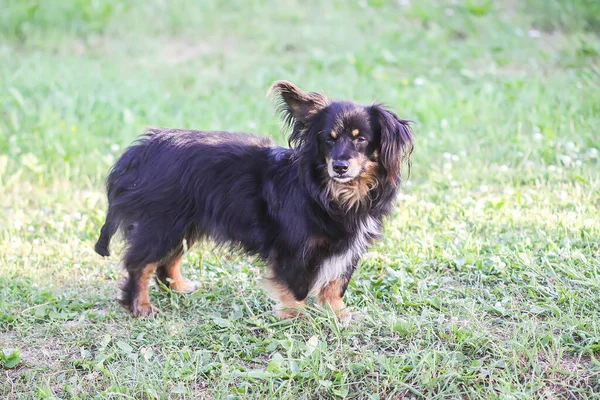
pixel 117 182
pixel 106 233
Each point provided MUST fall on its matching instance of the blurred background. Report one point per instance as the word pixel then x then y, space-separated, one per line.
pixel 81 78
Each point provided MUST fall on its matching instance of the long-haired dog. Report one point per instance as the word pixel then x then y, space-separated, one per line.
pixel 309 211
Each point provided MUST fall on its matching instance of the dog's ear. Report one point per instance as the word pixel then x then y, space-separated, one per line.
pixel 396 141
pixel 296 105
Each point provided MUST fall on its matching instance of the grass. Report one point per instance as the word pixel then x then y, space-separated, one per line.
pixel 486 284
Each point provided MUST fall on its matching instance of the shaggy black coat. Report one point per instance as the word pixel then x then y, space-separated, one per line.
pixel 246 191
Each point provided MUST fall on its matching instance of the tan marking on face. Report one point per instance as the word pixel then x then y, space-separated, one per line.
pixel 355 132
pixel 331 295
pixel 141 306
pixel 287 306
pixel 334 134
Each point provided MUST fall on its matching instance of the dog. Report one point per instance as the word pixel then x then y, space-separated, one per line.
pixel 309 211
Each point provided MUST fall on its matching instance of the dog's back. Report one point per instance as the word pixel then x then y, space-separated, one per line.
pixel 156 177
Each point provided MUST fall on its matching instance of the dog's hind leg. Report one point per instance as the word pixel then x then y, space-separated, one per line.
pixel 169 274
pixel 136 295
pixel 141 261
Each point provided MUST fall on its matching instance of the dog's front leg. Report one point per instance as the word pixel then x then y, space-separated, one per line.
pixel 288 285
pixel 331 295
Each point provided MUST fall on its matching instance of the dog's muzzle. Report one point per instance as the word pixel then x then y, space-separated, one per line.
pixel 343 171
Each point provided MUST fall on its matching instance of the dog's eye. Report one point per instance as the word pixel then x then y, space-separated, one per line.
pixel 331 139
pixel 361 139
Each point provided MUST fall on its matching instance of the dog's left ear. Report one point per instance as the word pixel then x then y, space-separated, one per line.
pixel 396 141
pixel 296 105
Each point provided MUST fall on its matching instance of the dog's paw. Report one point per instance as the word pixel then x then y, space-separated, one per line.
pixel 289 313
pixel 347 317
pixel 186 287
pixel 144 310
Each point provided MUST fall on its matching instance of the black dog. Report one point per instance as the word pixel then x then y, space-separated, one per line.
pixel 310 211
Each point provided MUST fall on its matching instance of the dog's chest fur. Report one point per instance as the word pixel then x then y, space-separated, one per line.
pixel 338 264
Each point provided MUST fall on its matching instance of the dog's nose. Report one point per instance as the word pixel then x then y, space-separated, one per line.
pixel 340 166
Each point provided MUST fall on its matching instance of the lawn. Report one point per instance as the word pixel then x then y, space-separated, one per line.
pixel 485 285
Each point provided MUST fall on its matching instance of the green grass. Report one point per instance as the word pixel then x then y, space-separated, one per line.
pixel 486 284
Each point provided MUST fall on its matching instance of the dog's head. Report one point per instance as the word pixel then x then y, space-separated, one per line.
pixel 353 142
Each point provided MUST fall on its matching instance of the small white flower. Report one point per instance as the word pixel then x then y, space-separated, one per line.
pixel 589 222
pixel 30 228
pixel 36 241
pixel 77 215
pixel 463 153
pixel 566 160
pixel 444 123
pixel 538 137
pixel 252 125
pixel 503 168
pixel 534 33
pixel 551 167
pixel 592 153
pixel 419 81
pixel 404 2
pixel 563 195
pixel 447 156
pixel 528 164
pixel 447 166
pixel 570 147
pixel 483 188
pixel 578 163
pixel 454 157
pixel 516 212
pixel 114 147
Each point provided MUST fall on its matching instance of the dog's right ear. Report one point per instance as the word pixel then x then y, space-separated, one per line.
pixel 296 105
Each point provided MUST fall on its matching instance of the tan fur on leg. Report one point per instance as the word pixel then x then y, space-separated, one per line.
pixel 287 306
pixel 141 306
pixel 176 281
pixel 331 295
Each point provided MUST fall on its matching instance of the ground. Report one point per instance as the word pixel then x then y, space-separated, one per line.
pixel 485 285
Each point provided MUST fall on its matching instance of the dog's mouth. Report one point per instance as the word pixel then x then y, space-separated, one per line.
pixel 343 178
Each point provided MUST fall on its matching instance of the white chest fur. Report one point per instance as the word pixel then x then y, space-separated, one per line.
pixel 337 265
